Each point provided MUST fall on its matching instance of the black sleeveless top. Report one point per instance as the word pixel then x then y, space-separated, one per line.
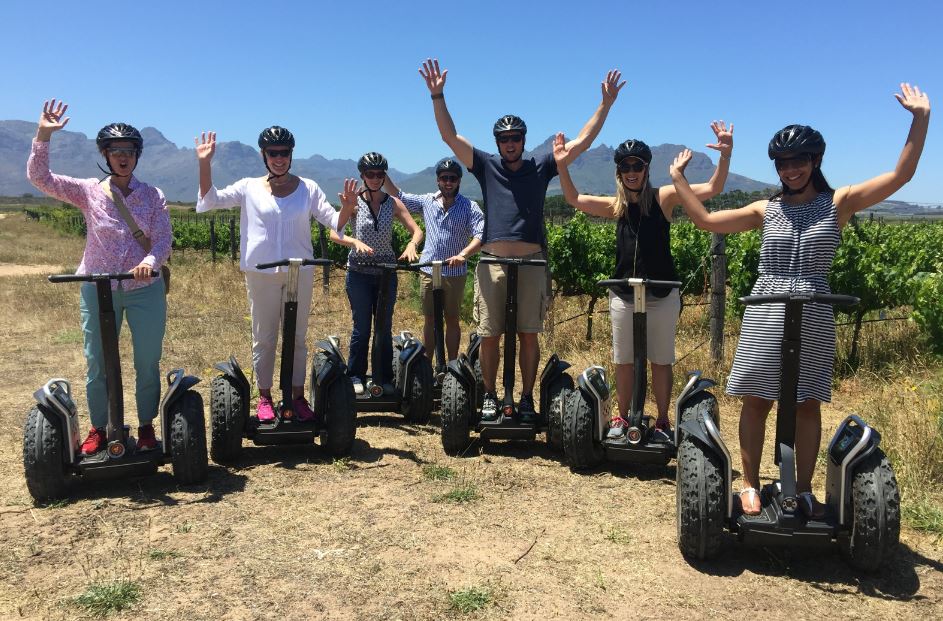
pixel 643 249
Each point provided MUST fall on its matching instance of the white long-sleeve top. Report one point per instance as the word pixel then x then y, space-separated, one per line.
pixel 271 228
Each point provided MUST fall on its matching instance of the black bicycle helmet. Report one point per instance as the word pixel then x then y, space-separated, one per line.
pixel 633 148
pixel 114 132
pixel 372 161
pixel 510 123
pixel 794 140
pixel 448 165
pixel 276 136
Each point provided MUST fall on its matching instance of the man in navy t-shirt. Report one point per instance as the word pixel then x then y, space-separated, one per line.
pixel 514 189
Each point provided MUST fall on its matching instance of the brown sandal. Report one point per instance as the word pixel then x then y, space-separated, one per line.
pixel 752 496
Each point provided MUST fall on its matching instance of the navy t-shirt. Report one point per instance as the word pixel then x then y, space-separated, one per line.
pixel 514 199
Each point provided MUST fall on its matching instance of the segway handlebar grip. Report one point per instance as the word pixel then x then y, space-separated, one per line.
pixel 808 298
pixel 96 277
pixel 512 261
pixel 265 266
pixel 317 262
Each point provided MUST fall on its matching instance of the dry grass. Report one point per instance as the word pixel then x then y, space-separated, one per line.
pixel 288 533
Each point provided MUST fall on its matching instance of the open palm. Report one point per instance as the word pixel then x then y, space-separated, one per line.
pixel 205 145
pixel 53 116
pixel 913 99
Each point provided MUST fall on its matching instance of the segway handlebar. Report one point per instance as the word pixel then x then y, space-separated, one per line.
pixel 632 282
pixel 512 261
pixel 96 277
pixel 286 262
pixel 806 298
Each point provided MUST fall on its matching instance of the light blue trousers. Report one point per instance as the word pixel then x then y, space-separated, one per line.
pixel 146 311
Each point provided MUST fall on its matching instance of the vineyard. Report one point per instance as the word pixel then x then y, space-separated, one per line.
pixel 892 267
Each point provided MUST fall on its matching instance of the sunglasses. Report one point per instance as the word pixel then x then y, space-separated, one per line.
pixel 129 151
pixel 448 178
pixel 510 138
pixel 782 163
pixel 278 152
pixel 635 166
pixel 374 174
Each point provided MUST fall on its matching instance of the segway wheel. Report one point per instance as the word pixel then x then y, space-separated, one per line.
pixel 227 421
pixel 320 358
pixel 701 405
pixel 188 439
pixel 419 407
pixel 875 500
pixel 558 391
pixel 340 417
pixel 456 414
pixel 701 497
pixel 43 460
pixel 479 384
pixel 581 450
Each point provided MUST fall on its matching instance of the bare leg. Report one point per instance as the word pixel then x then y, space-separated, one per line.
pixel 488 355
pixel 625 381
pixel 453 336
pixel 528 358
pixel 752 433
pixel 662 378
pixel 808 440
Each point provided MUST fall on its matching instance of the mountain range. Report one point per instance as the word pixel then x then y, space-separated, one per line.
pixel 173 169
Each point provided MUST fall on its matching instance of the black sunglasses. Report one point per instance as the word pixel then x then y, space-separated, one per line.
pixel 792 162
pixel 632 166
pixel 374 174
pixel 278 152
pixel 510 138
pixel 448 178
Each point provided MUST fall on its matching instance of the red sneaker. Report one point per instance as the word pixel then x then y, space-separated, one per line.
pixel 94 443
pixel 146 439
pixel 265 410
pixel 302 410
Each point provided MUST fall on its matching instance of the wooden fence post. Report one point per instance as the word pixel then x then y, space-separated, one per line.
pixel 718 294
pixel 326 270
pixel 213 238
pixel 232 238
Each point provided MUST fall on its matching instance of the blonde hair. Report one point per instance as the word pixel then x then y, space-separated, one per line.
pixel 646 197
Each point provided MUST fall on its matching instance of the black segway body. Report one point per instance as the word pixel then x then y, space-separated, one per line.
pixel 862 498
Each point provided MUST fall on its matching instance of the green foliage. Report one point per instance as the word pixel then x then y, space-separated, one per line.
pixel 103 598
pixel 470 599
pixel 435 472
pixel 928 306
pixel 462 493
pixel 581 253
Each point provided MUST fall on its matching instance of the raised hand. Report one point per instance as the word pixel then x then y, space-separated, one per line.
pixel 435 79
pixel 913 99
pixel 724 136
pixel 205 145
pixel 611 87
pixel 51 120
pixel 560 152
pixel 681 162
pixel 348 195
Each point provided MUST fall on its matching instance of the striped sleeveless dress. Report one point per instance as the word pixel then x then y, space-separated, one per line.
pixel 799 243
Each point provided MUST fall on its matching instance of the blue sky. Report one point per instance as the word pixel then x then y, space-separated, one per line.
pixel 343 75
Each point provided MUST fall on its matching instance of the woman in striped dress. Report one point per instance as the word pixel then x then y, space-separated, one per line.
pixel 801 230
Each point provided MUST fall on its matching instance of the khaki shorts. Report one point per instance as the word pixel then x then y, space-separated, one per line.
pixel 662 315
pixel 491 297
pixel 453 289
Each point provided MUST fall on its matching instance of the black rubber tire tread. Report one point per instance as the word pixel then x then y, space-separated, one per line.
pixel 875 506
pixel 227 424
pixel 340 428
pixel 479 384
pixel 188 439
pixel 419 407
pixel 578 444
pixel 701 500
pixel 558 391
pixel 702 404
pixel 455 413
pixel 46 476
pixel 317 362
pixel 396 352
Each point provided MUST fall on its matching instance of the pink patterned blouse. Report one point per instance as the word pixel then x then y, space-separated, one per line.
pixel 110 245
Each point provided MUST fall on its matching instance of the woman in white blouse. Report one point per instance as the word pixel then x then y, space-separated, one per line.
pixel 275 224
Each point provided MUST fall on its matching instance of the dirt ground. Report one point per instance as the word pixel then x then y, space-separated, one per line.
pixel 290 534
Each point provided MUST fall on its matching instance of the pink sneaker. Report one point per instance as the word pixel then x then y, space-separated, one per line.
pixel 265 410
pixel 302 410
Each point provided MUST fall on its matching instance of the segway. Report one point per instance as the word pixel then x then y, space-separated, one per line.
pixel 862 498
pixel 462 391
pixel 586 414
pixel 412 372
pixel 331 393
pixel 51 436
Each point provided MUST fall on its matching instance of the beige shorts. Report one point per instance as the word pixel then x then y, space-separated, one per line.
pixel 662 315
pixel 453 289
pixel 491 294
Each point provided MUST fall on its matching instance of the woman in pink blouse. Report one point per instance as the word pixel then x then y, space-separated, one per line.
pixel 111 247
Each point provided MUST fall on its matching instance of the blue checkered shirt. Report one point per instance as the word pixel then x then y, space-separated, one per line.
pixel 447 232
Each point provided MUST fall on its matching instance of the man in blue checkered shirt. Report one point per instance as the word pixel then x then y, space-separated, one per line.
pixel 454 226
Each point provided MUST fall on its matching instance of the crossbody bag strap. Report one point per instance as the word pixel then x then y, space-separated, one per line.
pixel 126 215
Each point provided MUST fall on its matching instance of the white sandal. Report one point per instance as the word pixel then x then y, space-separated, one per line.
pixel 749 490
